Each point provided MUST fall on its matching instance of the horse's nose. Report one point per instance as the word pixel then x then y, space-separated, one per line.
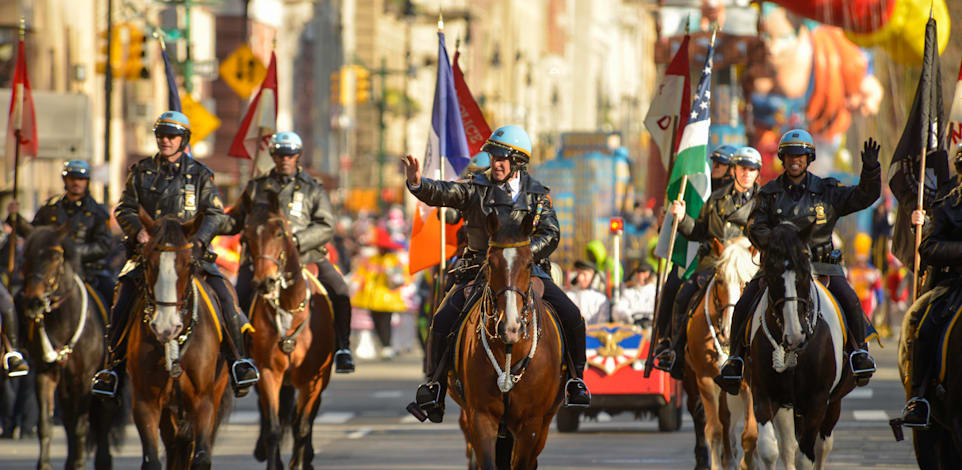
pixel 166 331
pixel 512 333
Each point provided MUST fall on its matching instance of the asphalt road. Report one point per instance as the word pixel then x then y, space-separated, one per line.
pixel 362 425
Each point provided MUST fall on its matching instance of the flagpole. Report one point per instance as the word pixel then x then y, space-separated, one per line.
pixel 918 228
pixel 17 125
pixel 441 211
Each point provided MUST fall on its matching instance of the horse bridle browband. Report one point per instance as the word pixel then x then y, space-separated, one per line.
pixel 509 245
pixel 166 247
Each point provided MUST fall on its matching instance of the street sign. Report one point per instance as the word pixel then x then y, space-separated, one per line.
pixel 206 69
pixel 243 71
pixel 202 122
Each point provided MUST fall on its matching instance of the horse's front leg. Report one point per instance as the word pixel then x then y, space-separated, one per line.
pixel 203 419
pixel 697 412
pixel 269 441
pixel 74 415
pixel 825 440
pixel 147 418
pixel 749 436
pixel 784 421
pixel 308 402
pixel 529 441
pixel 483 432
pixel 46 384
pixel 714 433
pixel 468 451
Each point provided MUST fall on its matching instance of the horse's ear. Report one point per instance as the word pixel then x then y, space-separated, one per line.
pixel 527 225
pixel 145 219
pixel 192 225
pixel 717 247
pixel 274 202
pixel 492 223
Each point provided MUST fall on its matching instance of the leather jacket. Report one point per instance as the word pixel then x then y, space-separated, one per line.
pixel 941 248
pixel 724 216
pixel 184 188
pixel 305 205
pixel 475 198
pixel 823 201
pixel 87 225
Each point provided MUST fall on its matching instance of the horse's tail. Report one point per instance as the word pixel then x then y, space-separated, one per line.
pixel 109 417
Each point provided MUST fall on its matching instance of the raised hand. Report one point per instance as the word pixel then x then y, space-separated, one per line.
pixel 412 170
pixel 870 152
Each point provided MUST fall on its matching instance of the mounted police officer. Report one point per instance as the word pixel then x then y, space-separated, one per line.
pixel 507 190
pixel 171 182
pixel 941 256
pixel 307 208
pixel 87 226
pixel 814 205
pixel 723 217
pixel 720 176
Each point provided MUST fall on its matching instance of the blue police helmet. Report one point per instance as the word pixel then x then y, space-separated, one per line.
pixel 286 143
pixel 172 122
pixel 796 142
pixel 723 154
pixel 747 156
pixel 76 169
pixel 509 141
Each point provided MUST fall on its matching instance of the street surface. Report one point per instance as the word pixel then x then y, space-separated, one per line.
pixel 362 425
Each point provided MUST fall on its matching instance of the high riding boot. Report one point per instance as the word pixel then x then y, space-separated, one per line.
pixel 861 362
pixel 576 392
pixel 343 360
pixel 105 383
pixel 732 371
pixel 429 396
pixel 917 411
pixel 679 323
pixel 13 361
pixel 243 371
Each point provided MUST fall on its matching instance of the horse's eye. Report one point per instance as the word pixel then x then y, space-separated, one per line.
pixel 279 234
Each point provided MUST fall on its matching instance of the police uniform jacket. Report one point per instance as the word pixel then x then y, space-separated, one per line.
pixel 184 188
pixel 814 206
pixel 941 247
pixel 87 225
pixel 478 196
pixel 724 216
pixel 304 203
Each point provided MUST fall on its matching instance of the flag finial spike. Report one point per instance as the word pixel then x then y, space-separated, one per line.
pixel 23 27
pixel 457 45
pixel 714 32
pixel 440 21
pixel 160 37
pixel 688 23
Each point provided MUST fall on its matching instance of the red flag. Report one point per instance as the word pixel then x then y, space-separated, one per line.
pixel 21 114
pixel 476 129
pixel 260 121
pixel 953 134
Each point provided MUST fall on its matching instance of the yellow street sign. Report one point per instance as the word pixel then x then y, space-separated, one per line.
pixel 243 71
pixel 202 122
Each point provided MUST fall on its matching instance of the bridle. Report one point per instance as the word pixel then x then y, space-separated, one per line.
pixel 284 279
pixel 786 356
pixel 151 299
pixel 490 296
pixel 52 285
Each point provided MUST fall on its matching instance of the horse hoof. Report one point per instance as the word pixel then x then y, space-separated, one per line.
pixel 260 451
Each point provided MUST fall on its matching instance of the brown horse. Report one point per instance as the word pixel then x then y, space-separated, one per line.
pixel 293 340
pixel 940 445
pixel 797 370
pixel 502 398
pixel 177 374
pixel 65 321
pixel 708 335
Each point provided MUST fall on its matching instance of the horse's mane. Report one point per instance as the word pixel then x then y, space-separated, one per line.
pixel 785 244
pixel 736 265
pixel 46 236
pixel 169 229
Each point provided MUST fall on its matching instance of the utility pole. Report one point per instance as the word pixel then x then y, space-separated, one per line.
pixel 381 105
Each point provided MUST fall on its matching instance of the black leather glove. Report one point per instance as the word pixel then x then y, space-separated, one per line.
pixel 870 153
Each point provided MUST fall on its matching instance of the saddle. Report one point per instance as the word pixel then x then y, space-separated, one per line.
pixel 934 322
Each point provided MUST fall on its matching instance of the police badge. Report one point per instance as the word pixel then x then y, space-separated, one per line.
pixel 820 214
pixel 190 198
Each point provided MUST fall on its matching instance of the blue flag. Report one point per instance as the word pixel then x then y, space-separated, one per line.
pixel 173 97
pixel 447 142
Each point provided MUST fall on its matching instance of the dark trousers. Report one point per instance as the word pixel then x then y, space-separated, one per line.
pixel 382 326
pixel 8 317
pixel 568 313
pixel 847 301
pixel 18 405
pixel 337 290
pixel 667 303
pixel 104 287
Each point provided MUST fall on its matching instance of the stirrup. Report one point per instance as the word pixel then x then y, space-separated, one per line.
pixel 242 383
pixel 928 413
pixel 858 372
pixel 582 382
pixel 105 393
pixel 6 364
pixel 430 397
pixel 668 356
pixel 731 360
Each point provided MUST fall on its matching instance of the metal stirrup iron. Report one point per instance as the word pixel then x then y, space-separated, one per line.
pixel 6 364
pixel 732 359
pixel 668 356
pixel 113 391
pixel 233 372
pixel 851 365
pixel 928 413
pixel 569 382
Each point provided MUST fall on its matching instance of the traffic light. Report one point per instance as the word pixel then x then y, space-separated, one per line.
pixel 136 60
pixel 347 85
pixel 616 225
pixel 116 58
pixel 336 87
pixel 362 84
